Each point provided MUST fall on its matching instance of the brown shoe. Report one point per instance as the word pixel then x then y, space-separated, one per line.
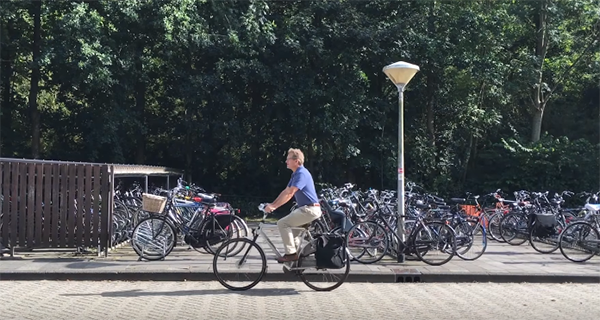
pixel 288 258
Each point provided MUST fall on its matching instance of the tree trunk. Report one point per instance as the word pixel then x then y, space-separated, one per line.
pixel 308 157
pixel 383 158
pixel 431 81
pixel 430 111
pixel 539 101
pixel 35 78
pixel 468 155
pixel 189 152
pixel 536 124
pixel 6 94
pixel 140 107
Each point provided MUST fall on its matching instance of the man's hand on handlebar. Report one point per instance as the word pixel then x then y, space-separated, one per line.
pixel 269 208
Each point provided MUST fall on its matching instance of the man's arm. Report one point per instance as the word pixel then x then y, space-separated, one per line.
pixel 283 198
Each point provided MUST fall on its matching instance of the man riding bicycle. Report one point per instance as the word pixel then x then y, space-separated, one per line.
pixel 302 187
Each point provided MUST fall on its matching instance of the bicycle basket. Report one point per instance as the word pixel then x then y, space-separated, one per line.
pixel 153 203
pixel 470 210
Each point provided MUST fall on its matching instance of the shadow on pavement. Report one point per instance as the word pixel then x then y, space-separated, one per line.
pixel 75 263
pixel 506 253
pixel 139 293
pixel 91 265
pixel 565 261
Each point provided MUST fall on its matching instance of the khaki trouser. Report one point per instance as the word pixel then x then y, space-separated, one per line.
pixel 296 218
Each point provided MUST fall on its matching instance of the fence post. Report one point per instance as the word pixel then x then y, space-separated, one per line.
pixel 111 206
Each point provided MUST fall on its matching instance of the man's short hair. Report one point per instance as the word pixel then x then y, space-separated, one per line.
pixel 296 154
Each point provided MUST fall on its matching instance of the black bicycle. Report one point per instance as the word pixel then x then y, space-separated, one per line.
pixel 246 270
pixel 206 229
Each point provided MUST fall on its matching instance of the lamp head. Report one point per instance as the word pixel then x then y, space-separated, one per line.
pixel 400 72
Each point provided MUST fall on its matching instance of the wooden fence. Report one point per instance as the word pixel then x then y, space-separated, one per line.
pixel 53 204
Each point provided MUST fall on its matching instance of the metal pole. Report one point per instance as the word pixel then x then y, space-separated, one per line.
pixel 146 184
pixel 400 220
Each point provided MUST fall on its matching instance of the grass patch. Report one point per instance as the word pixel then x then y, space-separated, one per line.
pixel 259 219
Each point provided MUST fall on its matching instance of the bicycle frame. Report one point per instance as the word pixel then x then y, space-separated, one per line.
pixel 258 231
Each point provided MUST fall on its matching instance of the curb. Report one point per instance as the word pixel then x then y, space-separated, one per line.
pixel 168 276
pixel 397 277
pixel 510 278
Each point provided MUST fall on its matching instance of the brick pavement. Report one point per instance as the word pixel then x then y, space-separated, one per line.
pixel 53 300
pixel 500 263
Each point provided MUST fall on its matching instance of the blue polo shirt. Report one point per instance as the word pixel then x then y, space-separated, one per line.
pixel 306 194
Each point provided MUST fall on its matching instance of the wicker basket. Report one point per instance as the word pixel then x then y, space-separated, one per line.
pixel 153 203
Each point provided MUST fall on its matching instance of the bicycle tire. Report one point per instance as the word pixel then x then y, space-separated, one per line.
pixel 239 242
pixel 476 232
pixel 562 242
pixel 485 221
pixel 421 254
pixel 301 274
pixel 534 244
pixel 210 224
pixel 384 241
pixel 494 226
pixel 504 230
pixel 140 251
pixel 240 227
pixel 317 227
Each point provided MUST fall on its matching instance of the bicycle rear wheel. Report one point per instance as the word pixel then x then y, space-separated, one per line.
pixel 216 230
pixel 226 267
pixel 322 279
pixel 579 242
pixel 547 243
pixel 435 238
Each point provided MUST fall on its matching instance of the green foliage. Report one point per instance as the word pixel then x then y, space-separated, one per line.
pixel 554 164
pixel 222 89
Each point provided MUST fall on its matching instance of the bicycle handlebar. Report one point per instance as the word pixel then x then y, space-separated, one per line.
pixel 262 207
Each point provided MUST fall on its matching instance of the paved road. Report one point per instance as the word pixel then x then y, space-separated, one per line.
pixel 102 300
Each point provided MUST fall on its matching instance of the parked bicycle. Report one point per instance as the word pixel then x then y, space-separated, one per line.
pixel 433 242
pixel 207 228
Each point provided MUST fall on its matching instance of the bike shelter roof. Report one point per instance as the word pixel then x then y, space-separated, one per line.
pixel 120 170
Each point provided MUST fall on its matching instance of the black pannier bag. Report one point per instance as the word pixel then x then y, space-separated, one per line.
pixel 331 251
pixel 544 225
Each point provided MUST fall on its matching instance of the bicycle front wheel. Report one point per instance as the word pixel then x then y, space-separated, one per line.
pixel 243 271
pixel 471 241
pixel 514 229
pixel 153 238
pixel 367 242
pixel 494 226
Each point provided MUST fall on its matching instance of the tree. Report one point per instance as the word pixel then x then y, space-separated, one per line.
pixel 575 45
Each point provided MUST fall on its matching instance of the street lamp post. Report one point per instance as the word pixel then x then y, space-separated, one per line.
pixel 400 73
